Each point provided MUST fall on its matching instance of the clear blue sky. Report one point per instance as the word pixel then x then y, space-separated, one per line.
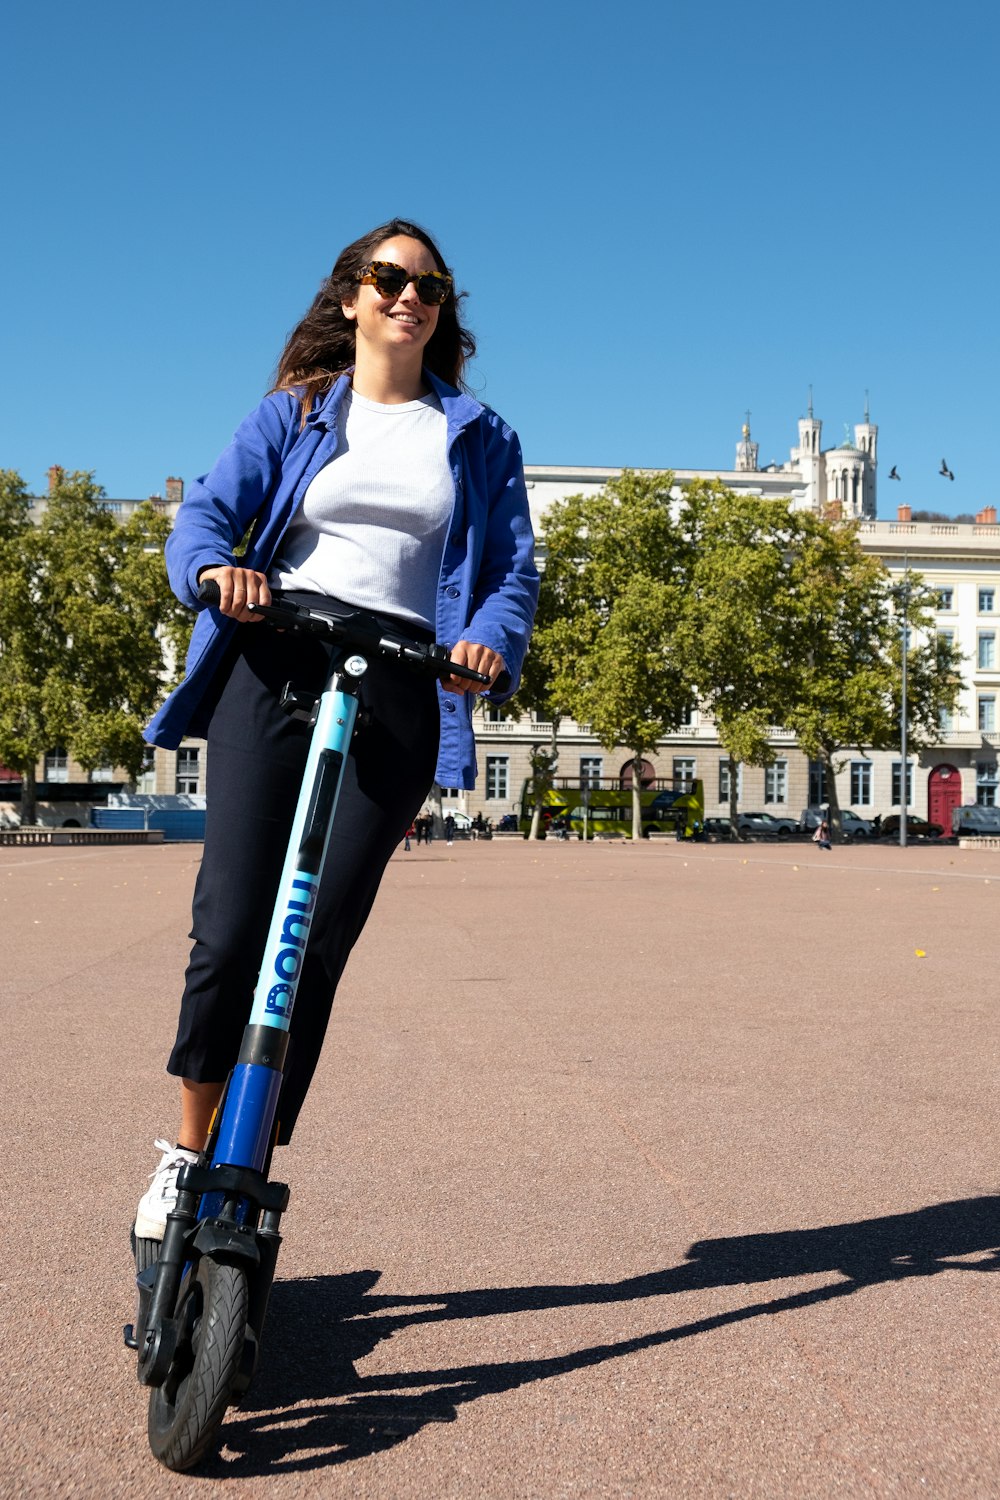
pixel 664 213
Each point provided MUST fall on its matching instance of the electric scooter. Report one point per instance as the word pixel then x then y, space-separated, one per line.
pixel 203 1291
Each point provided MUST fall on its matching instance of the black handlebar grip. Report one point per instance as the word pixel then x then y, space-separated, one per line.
pixel 209 591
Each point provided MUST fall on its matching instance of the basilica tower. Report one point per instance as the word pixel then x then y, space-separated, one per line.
pixel 808 459
pixel 746 451
pixel 866 440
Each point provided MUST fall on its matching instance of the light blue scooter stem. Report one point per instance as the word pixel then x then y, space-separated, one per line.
pixel 308 842
pixel 247 1124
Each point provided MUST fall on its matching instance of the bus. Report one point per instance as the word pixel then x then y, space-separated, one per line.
pixel 604 806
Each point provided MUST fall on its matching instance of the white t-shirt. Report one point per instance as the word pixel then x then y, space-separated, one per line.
pixel 372 526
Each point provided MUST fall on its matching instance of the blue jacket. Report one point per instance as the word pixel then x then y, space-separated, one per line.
pixel 488 583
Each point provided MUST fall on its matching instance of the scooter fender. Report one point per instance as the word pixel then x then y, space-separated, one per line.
pixel 224 1241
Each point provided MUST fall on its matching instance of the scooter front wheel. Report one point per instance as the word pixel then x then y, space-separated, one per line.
pixel 186 1411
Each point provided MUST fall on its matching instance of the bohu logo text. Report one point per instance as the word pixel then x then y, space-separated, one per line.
pixel 294 936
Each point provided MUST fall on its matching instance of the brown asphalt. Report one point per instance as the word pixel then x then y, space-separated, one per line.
pixel 655 1171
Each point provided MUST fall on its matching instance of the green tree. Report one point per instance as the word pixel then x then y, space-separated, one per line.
pixel 847 644
pixel 85 616
pixel 736 631
pixel 547 672
pixel 613 586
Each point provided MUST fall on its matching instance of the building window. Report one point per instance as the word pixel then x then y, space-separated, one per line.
pixel 861 783
pixel 493 715
pixel 986 598
pixel 687 716
pixel 147 776
pixel 103 773
pixel 776 781
pixel 683 772
pixel 988 713
pixel 817 784
pixel 187 770
pixel 56 765
pixel 987 652
pixel 986 783
pixel 946 721
pixel 946 598
pixel 724 780
pixel 497 777
pixel 590 770
pixel 897 782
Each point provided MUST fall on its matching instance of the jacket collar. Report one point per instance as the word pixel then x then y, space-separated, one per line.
pixel 459 409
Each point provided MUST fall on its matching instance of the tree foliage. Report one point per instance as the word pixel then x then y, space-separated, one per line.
pixel 89 628
pixel 737 631
pixel 848 652
pixel 763 615
pixel 612 596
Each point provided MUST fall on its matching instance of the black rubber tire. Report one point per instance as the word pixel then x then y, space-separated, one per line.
pixel 146 1253
pixel 186 1412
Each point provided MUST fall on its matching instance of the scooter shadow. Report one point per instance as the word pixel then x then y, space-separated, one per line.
pixel 309 1408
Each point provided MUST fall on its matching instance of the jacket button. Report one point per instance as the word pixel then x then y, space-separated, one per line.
pixel 456 540
pixel 449 707
pixel 451 591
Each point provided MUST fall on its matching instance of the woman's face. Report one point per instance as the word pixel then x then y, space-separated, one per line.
pixel 401 323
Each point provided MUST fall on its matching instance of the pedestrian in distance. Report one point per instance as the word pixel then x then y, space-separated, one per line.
pixel 368 475
pixel 822 835
pixel 407 836
pixel 449 829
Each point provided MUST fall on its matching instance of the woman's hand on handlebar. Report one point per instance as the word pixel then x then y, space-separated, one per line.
pixel 480 659
pixel 238 587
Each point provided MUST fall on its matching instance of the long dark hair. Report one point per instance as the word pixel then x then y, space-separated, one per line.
pixel 321 347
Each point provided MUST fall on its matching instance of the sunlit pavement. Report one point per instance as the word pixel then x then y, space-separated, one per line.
pixel 664 1170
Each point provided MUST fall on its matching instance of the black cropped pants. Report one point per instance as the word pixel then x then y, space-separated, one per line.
pixel 256 757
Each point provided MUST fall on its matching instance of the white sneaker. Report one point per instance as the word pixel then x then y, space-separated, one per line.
pixel 161 1195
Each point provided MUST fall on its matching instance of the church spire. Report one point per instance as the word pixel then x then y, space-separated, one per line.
pixel 746 451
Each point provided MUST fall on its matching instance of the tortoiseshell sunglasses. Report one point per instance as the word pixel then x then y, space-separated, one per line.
pixel 388 279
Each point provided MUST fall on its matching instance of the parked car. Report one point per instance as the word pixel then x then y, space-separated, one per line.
pixel 975 822
pixel 917 828
pixel 765 825
pixel 851 824
pixel 717 828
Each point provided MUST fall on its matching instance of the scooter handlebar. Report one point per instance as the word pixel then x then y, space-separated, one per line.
pixel 357 629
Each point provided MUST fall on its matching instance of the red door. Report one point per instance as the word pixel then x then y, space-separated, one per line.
pixel 944 791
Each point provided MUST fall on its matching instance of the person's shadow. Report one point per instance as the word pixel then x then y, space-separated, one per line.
pixel 318 1327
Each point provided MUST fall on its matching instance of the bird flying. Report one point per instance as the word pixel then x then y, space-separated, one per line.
pixel 944 470
pixel 892 473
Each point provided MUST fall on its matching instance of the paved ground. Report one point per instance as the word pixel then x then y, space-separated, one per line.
pixel 628 1172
